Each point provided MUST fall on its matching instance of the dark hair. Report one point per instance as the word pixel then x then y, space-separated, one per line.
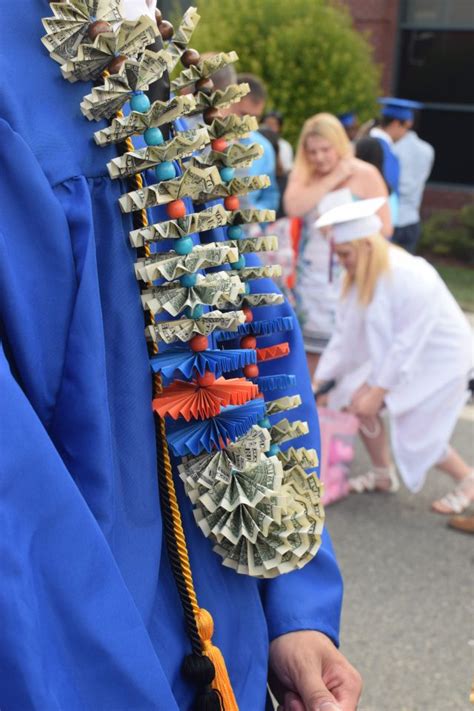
pixel 258 91
pixel 387 120
pixel 369 150
pixel 274 114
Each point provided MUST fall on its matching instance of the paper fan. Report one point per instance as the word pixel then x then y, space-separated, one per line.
pixel 232 422
pixel 260 328
pixel 186 362
pixel 269 383
pixel 192 400
pixel 280 350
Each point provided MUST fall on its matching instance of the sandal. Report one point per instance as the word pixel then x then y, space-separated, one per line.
pixel 458 500
pixel 383 479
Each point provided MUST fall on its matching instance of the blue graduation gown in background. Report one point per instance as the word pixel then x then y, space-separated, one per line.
pixel 89 612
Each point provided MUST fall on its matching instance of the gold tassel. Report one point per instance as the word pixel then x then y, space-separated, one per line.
pixel 221 683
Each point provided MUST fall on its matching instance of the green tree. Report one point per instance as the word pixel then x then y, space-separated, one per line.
pixel 306 51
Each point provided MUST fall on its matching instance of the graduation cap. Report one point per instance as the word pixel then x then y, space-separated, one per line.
pixel 353 220
pixel 400 109
pixel 348 119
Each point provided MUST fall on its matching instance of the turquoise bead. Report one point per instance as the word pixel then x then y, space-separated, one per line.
pixel 183 245
pixel 247 288
pixel 153 137
pixel 227 174
pixel 274 449
pixel 239 264
pixel 196 312
pixel 264 423
pixel 235 232
pixel 188 280
pixel 165 170
pixel 140 102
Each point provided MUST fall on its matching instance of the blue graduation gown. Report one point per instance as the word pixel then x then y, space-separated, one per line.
pixel 89 610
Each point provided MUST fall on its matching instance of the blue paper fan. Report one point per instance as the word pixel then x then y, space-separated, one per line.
pixel 269 383
pixel 186 361
pixel 232 422
pixel 258 328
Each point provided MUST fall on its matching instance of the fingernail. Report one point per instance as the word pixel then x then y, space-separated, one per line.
pixel 328 706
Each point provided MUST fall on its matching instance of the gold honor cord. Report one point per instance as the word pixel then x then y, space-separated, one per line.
pixel 203 627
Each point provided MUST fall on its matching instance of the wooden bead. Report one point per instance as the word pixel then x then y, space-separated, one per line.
pixel 190 57
pixel 116 63
pixel 158 16
pixel 251 371
pixel 204 84
pixel 248 342
pixel 199 343
pixel 231 202
pixel 206 380
pixel 97 28
pixel 219 145
pixel 209 115
pixel 248 314
pixel 166 29
pixel 176 209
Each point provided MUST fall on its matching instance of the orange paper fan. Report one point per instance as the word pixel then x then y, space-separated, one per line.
pixel 272 352
pixel 199 401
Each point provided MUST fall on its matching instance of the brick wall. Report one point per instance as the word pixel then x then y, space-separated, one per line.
pixel 380 19
pixel 437 197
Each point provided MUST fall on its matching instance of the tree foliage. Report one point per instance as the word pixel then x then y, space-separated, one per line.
pixel 306 51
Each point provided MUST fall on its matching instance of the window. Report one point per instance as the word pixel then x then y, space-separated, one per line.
pixel 436 66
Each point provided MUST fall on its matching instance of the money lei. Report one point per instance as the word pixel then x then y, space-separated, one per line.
pixel 254 501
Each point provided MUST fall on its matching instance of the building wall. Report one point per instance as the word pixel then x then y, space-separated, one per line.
pixel 380 19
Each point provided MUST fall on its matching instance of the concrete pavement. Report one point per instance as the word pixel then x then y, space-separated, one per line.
pixel 408 621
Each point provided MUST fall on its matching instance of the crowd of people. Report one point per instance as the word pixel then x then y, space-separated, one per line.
pixel 393 338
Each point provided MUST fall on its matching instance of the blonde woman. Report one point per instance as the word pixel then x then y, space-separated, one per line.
pixel 401 342
pixel 325 174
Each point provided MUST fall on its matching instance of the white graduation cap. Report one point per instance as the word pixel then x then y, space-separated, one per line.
pixel 353 220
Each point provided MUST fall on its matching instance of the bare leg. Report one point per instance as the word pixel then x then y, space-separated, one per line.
pixel 454 465
pixel 312 359
pixel 377 447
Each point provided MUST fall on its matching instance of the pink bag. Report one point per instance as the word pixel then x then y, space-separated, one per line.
pixel 338 431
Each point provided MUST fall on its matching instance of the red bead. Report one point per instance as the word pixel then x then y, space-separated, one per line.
pixel 116 63
pixel 190 57
pixel 209 115
pixel 248 314
pixel 219 145
pixel 199 343
pixel 248 342
pixel 176 209
pixel 231 202
pixel 206 380
pixel 97 28
pixel 166 29
pixel 251 371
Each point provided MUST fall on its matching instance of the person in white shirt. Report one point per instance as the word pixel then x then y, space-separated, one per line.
pixel 401 342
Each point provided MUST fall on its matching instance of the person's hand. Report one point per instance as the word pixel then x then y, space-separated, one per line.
pixel 368 401
pixel 308 673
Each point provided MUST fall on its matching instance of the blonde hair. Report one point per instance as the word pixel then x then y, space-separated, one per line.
pixel 325 126
pixel 372 261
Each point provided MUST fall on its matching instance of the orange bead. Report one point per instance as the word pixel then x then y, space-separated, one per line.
pixel 248 314
pixel 199 343
pixel 248 342
pixel 219 145
pixel 206 380
pixel 251 371
pixel 231 202
pixel 176 209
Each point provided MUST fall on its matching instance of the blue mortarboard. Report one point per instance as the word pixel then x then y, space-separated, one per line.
pixel 347 119
pixel 401 109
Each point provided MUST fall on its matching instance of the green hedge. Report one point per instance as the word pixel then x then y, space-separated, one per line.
pixel 306 51
pixel 449 234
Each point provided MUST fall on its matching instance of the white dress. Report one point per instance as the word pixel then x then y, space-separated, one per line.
pixel 318 277
pixel 414 341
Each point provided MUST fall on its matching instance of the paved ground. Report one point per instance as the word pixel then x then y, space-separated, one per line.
pixel 408 622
